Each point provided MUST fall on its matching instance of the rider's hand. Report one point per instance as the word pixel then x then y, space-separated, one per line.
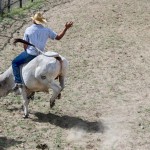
pixel 68 25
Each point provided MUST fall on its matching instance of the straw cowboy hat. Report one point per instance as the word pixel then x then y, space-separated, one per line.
pixel 38 18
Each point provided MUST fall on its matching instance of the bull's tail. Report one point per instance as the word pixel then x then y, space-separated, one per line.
pixel 60 61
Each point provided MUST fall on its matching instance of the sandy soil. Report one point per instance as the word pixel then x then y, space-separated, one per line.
pixel 105 105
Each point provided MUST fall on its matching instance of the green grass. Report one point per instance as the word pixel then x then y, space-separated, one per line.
pixel 20 12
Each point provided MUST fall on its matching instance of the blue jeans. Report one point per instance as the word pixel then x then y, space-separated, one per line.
pixel 21 59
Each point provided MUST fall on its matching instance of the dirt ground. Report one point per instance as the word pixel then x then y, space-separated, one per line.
pixel 106 102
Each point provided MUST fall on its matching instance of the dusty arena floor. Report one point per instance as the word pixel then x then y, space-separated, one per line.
pixel 106 102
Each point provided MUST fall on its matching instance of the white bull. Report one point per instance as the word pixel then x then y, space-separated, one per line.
pixel 38 75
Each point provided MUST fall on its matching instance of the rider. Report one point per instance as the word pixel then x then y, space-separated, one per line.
pixel 37 35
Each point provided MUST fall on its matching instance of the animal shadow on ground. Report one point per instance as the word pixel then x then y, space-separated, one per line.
pixel 68 122
pixel 5 142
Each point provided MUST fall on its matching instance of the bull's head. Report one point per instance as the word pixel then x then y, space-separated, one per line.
pixel 6 84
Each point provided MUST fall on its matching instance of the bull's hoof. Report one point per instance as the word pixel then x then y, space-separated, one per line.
pixel 31 96
pixel 59 96
pixel 52 104
pixel 25 116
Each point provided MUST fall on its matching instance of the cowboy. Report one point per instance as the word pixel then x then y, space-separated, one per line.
pixel 37 35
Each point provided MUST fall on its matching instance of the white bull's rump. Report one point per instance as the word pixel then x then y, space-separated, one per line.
pixel 39 72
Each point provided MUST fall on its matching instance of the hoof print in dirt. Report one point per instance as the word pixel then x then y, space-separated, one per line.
pixel 42 146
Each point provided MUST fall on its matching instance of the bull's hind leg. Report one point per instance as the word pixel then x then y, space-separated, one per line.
pixel 25 101
pixel 56 90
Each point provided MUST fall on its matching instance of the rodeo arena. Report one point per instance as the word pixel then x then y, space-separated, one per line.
pixel 74 75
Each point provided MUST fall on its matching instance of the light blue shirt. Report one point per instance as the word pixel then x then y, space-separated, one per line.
pixel 38 36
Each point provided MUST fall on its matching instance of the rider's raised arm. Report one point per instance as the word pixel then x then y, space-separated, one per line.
pixel 62 33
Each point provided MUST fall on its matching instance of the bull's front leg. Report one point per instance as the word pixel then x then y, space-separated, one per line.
pixel 56 91
pixel 25 101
